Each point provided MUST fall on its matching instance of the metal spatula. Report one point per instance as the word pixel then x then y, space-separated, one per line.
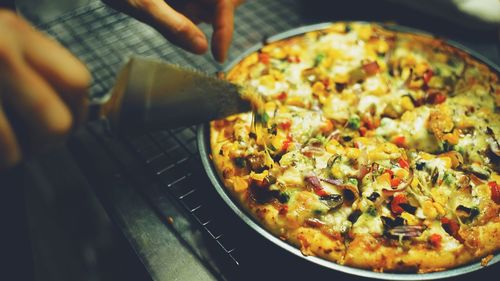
pixel 151 94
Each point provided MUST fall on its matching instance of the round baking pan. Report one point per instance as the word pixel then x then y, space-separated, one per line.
pixel 203 139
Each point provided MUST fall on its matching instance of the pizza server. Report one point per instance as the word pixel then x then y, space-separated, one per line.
pixel 150 94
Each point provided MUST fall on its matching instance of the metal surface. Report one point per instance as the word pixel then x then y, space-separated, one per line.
pixel 203 139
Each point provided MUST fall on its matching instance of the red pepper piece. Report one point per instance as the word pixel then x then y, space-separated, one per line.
pixel 495 191
pixel 362 131
pixel 286 143
pixel 321 192
pixel 435 97
pixel 264 58
pixel 403 163
pixel 282 96
pixel 371 68
pixel 395 203
pixel 399 141
pixel 451 227
pixel 435 240
pixel 390 172
pixel 286 125
pixel 283 210
pixel 395 182
pixel 427 76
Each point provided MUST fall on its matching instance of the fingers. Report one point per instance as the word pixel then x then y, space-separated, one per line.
pixel 9 149
pixel 44 119
pixel 177 28
pixel 39 83
pixel 223 29
pixel 64 72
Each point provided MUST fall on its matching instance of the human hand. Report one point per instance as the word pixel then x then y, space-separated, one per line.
pixel 43 90
pixel 177 19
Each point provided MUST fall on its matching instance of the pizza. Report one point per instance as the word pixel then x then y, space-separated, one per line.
pixel 367 147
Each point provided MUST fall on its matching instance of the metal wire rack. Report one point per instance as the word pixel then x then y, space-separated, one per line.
pixel 104 39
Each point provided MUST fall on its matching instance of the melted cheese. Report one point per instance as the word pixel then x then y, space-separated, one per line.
pixel 368 224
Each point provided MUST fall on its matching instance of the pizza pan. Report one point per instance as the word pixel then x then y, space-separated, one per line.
pixel 203 140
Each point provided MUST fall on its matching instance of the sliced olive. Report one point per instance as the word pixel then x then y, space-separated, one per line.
pixel 354 216
pixel 283 197
pixel 373 196
pixel 408 208
pixel 420 165
pixel 391 223
pixel 467 214
pixel 239 162
pixel 332 200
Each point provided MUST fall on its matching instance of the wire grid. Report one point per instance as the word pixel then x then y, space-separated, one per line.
pixel 104 39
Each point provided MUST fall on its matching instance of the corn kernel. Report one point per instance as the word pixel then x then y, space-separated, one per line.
pixel 365 32
pixel 334 142
pixel 406 103
pixel 334 54
pixel 278 75
pixel 278 141
pixel 446 161
pixel 414 182
pixel 259 176
pixel 452 138
pixel 390 147
pixel 363 140
pixel 408 116
pixel 426 156
pixel 333 147
pixel 416 84
pixel 411 219
pixel 341 78
pixel 440 57
pixel 439 208
pixel 382 65
pixel 401 173
pixel 420 68
pixel 439 196
pixel 436 82
pixel 429 210
pixel 337 172
pixel 408 61
pixel 384 178
pixel 382 46
pixel 352 153
pixel 405 73
pixel 464 123
pixel 278 53
pixel 318 88
pixel 267 80
pixel 326 126
pixel 296 101
pixel 495 178
pixel 239 184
